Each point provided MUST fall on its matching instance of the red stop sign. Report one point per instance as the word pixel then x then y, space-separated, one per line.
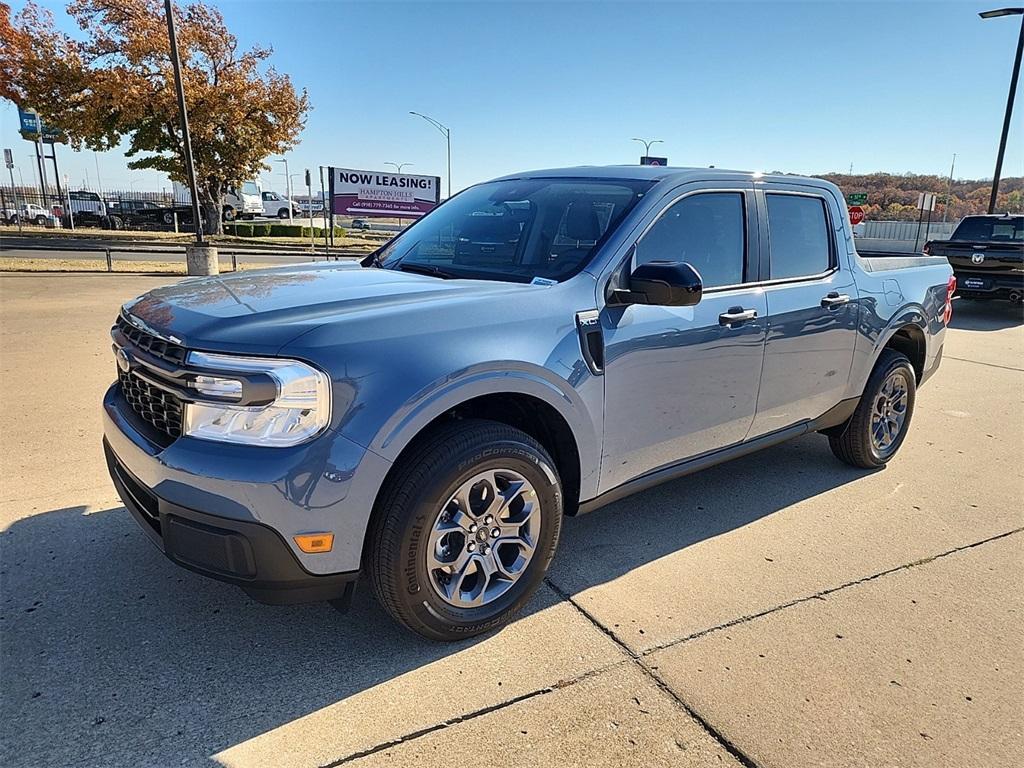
pixel 856 215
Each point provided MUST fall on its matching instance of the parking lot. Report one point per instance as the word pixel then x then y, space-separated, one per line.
pixel 782 610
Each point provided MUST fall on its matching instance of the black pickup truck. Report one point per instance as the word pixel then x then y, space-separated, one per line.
pixel 987 256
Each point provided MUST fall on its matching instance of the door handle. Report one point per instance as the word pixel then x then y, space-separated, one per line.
pixel 736 315
pixel 835 300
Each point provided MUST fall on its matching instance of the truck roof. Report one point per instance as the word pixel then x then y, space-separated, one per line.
pixel 659 173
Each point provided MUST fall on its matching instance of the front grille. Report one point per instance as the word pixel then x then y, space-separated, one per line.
pixel 166 350
pixel 159 408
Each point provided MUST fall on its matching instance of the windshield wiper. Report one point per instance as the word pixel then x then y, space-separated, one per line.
pixel 425 269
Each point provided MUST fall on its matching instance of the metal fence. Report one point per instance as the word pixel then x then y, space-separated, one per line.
pixel 112 209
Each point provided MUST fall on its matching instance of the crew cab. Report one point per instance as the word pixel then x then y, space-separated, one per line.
pixel 537 346
pixel 987 256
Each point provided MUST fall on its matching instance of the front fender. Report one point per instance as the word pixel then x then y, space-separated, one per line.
pixel 501 377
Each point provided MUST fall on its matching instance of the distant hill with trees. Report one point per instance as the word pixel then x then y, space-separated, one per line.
pixel 893 197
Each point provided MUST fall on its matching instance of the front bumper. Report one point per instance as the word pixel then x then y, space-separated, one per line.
pixel 250 555
pixel 230 511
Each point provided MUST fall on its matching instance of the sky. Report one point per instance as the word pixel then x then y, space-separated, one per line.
pixel 796 87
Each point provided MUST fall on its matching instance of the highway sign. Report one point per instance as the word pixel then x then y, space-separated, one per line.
pixel 856 215
pixel 857 198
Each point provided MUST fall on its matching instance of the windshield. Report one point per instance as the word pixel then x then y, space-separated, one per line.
pixel 991 229
pixel 250 188
pixel 516 230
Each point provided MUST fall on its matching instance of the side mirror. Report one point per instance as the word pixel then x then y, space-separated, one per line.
pixel 663 283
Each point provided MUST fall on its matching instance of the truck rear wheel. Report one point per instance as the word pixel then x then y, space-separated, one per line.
pixel 877 428
pixel 465 530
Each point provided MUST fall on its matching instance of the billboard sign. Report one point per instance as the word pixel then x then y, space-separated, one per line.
pixel 30 122
pixel 648 160
pixel 377 193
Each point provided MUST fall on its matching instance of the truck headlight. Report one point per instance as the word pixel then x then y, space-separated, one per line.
pixel 301 409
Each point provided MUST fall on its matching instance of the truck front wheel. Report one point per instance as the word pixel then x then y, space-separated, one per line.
pixel 877 428
pixel 465 529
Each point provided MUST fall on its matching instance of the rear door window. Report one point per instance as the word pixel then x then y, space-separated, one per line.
pixel 798 236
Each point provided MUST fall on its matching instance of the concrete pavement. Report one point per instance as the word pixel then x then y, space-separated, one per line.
pixel 759 613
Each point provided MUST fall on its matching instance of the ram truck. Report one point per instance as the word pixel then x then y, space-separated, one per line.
pixel 537 346
pixel 987 256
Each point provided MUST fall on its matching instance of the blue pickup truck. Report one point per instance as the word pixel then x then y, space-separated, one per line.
pixel 538 346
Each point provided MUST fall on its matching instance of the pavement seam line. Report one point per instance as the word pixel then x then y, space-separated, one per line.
pixel 990 365
pixel 473 715
pixel 638 660
pixel 825 592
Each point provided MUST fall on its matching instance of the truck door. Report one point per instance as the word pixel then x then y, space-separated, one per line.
pixel 812 306
pixel 681 381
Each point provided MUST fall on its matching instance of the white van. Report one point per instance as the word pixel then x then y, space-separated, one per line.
pixel 277 205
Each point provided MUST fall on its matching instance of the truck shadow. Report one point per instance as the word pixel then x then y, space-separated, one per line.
pixel 986 315
pixel 134 661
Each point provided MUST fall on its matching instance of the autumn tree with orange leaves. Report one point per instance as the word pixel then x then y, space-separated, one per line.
pixel 116 81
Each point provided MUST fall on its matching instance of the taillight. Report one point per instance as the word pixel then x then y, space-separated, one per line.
pixel 947 313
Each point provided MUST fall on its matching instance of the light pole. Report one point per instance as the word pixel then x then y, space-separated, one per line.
pixel 398 169
pixel 447 133
pixel 949 188
pixel 1009 98
pixel 287 188
pixel 186 137
pixel 647 145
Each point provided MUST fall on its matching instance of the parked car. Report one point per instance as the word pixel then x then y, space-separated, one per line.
pixel 361 224
pixel 276 205
pixel 987 256
pixel 87 208
pixel 30 213
pixel 426 419
pixel 122 212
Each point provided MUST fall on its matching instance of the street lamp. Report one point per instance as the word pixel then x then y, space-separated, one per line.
pixel 647 145
pixel 1009 98
pixel 447 133
pixel 287 188
pixel 399 166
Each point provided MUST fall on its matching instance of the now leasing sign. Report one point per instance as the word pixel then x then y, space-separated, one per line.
pixel 376 193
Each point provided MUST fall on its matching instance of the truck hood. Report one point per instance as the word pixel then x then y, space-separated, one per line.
pixel 260 311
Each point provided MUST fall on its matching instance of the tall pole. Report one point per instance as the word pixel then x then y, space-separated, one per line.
pixel 1009 99
pixel 647 145
pixel 99 181
pixel 288 191
pixel 949 188
pixel 447 133
pixel 186 138
pixel 400 166
pixel 14 191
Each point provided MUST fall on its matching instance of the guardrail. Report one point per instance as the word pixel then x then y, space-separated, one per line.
pixel 179 251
